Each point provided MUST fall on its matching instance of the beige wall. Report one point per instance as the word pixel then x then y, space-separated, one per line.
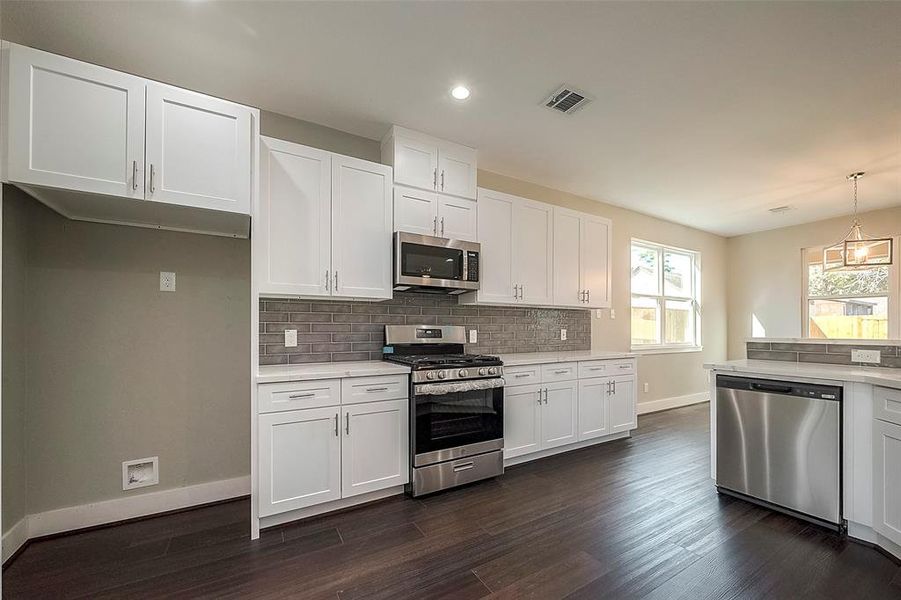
pixel 764 278
pixel 667 375
pixel 15 350
pixel 318 136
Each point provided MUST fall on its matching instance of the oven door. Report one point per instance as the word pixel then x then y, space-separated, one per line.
pixel 457 419
pixel 422 260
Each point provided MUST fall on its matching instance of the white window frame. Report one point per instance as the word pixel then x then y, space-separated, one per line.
pixel 695 299
pixel 893 309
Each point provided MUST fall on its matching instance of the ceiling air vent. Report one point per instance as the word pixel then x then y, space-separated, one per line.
pixel 567 100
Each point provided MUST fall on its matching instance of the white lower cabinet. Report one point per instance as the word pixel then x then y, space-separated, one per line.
pixel 887 480
pixel 375 447
pixel 559 414
pixel 300 459
pixel 310 456
pixel 547 413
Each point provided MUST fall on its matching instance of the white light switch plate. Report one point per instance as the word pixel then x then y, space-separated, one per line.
pixel 562 334
pixel 290 338
pixel 866 356
pixel 612 314
pixel 473 336
pixel 167 281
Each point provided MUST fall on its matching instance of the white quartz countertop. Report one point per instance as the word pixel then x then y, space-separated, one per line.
pixel 334 370
pixel 536 358
pixel 873 375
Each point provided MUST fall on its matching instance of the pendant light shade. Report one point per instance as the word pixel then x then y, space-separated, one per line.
pixel 857 250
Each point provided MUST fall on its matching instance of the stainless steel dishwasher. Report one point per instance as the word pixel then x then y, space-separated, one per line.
pixel 778 443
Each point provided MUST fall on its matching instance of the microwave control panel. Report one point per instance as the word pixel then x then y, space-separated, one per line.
pixel 472 266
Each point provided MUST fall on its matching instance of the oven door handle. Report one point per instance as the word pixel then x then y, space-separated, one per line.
pixel 437 389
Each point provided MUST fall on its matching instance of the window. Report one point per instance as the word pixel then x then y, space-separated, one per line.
pixel 855 304
pixel 665 297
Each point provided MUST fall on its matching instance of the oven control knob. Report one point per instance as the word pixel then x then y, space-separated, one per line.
pixel 430 375
pixel 463 373
pixel 492 371
pixel 441 374
pixel 483 371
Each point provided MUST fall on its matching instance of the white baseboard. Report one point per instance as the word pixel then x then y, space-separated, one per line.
pixel 674 402
pixel 119 509
pixel 15 537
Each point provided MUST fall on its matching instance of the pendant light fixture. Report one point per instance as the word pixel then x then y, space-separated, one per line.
pixel 857 250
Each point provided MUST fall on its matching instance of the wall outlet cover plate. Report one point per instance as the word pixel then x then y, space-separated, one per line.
pixel 290 338
pixel 167 281
pixel 140 473
pixel 866 356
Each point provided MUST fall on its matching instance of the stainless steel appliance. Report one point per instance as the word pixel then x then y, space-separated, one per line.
pixel 433 264
pixel 456 407
pixel 778 443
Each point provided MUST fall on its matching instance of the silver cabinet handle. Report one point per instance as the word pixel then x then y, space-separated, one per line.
pixel 545 395
pixel 336 281
pixel 608 388
pixel 435 226
pixel 347 423
pixel 336 424
pixel 518 375
pixel 587 295
pixel 307 395
pixel 561 371
pixel 442 218
pixel 596 368
pixel 379 389
pixel 625 366
pixel 326 280
pixel 614 386
pixel 152 189
pixel 134 175
pixel 539 397
pixel 464 466
pixel 435 178
pixel 442 179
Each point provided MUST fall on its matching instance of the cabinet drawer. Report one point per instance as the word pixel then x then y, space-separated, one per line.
pixel 621 367
pixel 276 397
pixel 558 372
pixel 370 389
pixel 524 375
pixel 594 368
pixel 887 404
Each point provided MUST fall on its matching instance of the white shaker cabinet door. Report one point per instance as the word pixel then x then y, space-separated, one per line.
pixel 596 244
pixel 300 459
pixel 559 414
pixel 522 420
pixel 495 236
pixel 415 211
pixel 415 162
pixel 457 218
pixel 623 415
pixel 74 125
pixel 198 150
pixel 887 479
pixel 375 448
pixel 457 170
pixel 568 290
pixel 361 228
pixel 594 420
pixel 533 251
pixel 293 226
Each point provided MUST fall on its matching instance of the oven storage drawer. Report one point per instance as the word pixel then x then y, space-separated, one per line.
pixel 525 375
pixel 559 372
pixel 887 405
pixel 355 390
pixel 457 472
pixel 276 397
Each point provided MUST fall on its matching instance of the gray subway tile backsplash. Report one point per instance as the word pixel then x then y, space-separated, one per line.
pixel 833 354
pixel 331 331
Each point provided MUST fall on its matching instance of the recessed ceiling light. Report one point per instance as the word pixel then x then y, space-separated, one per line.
pixel 461 92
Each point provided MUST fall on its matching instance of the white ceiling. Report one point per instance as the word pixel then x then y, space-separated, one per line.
pixel 706 114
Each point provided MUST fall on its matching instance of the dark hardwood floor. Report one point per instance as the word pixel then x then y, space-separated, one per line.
pixel 634 518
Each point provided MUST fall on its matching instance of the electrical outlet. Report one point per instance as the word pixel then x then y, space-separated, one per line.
pixel 140 473
pixel 599 313
pixel 290 338
pixel 167 281
pixel 612 314
pixel 645 388
pixel 473 336
pixel 562 334
pixel 866 356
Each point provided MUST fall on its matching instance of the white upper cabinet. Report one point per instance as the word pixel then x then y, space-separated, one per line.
pixel 457 218
pixel 495 235
pixel 74 125
pixel 582 255
pixel 428 163
pixel 415 211
pixel 198 150
pixel 533 231
pixel 457 170
pixel 293 220
pixel 361 228
pixel 323 227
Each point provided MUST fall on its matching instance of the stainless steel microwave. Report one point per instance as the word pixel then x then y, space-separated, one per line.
pixel 433 264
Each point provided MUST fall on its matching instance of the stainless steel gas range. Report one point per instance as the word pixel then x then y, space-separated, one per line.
pixel 456 407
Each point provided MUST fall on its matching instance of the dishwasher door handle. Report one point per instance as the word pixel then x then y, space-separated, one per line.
pixel 766 387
